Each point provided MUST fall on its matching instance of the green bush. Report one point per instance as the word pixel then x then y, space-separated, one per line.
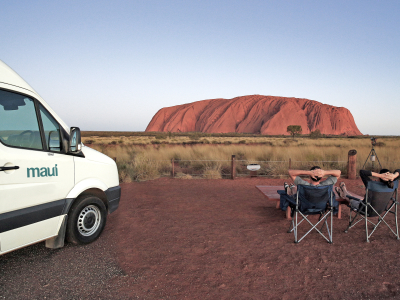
pixel 316 134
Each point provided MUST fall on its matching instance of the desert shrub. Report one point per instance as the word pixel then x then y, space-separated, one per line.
pixel 225 170
pixel 227 142
pixel 161 136
pixel 240 155
pixel 155 142
pixel 216 142
pixel 125 171
pixel 121 141
pixel 192 143
pixel 316 134
pixel 242 142
pixel 194 136
pixel 205 141
pixel 184 164
pixel 181 175
pixel 113 143
pixel 288 141
pixel 197 166
pixel 268 143
pixel 89 142
pixel 212 174
pixel 380 144
pixel 144 168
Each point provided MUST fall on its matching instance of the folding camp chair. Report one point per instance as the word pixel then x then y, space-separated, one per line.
pixel 313 200
pixel 379 201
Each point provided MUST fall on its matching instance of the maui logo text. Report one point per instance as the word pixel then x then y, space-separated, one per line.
pixel 42 172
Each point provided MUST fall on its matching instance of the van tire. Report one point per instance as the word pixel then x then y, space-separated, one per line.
pixel 86 220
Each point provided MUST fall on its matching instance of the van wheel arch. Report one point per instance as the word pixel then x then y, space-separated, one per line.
pixel 97 193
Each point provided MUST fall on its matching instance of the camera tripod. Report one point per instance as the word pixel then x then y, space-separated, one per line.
pixel 372 154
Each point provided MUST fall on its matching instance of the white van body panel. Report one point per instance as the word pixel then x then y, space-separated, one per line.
pixel 37 232
pixel 95 165
pixel 84 185
pixel 19 191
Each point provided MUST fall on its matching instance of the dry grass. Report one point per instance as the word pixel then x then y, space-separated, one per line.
pixel 148 161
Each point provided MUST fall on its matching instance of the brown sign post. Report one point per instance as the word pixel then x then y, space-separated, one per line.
pixel 352 165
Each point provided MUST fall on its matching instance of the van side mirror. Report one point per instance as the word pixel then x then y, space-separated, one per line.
pixel 74 140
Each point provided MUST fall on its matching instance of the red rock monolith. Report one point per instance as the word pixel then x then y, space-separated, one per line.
pixel 254 114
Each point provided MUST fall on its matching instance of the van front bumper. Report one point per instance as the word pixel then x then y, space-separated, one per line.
pixel 113 195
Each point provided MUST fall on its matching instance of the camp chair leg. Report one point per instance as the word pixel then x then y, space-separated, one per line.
pixel 295 229
pixel 352 220
pixel 319 219
pixel 331 234
pixel 314 226
pixel 291 226
pixel 382 219
pixel 395 217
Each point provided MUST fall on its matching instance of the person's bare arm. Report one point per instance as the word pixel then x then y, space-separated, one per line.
pixel 334 173
pixel 294 173
pixel 393 176
pixel 383 176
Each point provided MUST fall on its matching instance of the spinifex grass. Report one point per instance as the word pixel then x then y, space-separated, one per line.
pixel 144 162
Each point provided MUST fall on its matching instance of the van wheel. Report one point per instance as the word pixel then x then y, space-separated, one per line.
pixel 86 220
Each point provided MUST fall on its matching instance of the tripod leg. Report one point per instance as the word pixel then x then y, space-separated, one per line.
pixel 376 155
pixel 370 152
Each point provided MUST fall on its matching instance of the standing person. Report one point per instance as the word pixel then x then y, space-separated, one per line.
pixel 384 175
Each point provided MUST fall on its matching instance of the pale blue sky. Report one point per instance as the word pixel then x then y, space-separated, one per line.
pixel 111 65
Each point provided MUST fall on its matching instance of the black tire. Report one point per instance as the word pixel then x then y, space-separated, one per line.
pixel 86 220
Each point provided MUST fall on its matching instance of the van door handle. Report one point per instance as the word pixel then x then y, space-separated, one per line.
pixel 9 168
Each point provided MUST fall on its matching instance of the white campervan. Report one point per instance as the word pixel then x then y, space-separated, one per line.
pixel 51 186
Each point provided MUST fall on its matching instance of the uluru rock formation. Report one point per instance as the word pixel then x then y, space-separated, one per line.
pixel 254 114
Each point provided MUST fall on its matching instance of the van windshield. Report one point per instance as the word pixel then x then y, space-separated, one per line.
pixel 19 126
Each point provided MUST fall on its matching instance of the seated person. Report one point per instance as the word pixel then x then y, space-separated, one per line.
pixel 316 174
pixel 384 175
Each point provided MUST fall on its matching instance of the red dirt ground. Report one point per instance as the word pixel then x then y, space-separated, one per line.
pixel 221 239
pixel 207 239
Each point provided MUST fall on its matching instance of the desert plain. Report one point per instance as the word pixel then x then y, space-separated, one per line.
pixel 201 235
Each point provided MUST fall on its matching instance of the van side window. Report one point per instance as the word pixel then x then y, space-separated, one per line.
pixel 18 122
pixel 51 130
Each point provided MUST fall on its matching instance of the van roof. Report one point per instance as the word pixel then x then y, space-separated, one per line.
pixel 9 76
